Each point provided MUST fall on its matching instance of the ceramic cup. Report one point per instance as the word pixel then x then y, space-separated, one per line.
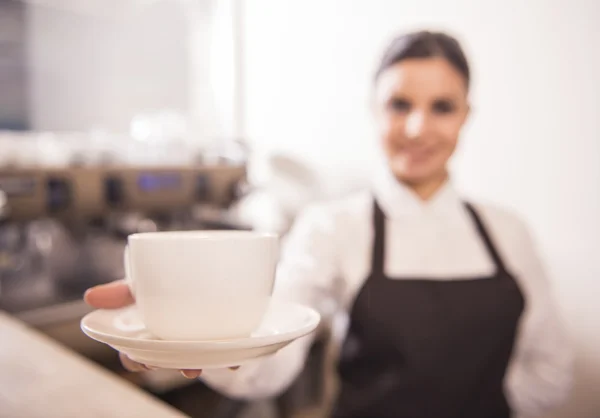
pixel 201 285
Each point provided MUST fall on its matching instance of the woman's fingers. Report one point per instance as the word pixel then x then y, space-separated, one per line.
pixel 109 296
pixel 130 365
pixel 134 366
pixel 191 374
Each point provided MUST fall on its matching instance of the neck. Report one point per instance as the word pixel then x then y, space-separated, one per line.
pixel 427 188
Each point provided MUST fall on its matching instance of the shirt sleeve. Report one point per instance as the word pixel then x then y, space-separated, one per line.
pixel 305 274
pixel 541 376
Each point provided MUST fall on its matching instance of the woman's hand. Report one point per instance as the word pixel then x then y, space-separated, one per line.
pixel 117 295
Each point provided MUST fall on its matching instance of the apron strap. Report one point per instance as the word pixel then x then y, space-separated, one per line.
pixel 378 251
pixel 483 233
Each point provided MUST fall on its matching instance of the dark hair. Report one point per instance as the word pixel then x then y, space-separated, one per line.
pixel 425 44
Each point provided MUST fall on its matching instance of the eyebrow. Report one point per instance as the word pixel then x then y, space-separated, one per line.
pixel 451 98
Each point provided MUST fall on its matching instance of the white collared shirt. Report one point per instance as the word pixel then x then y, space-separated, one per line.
pixel 326 258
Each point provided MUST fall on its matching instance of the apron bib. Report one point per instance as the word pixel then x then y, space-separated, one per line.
pixel 422 348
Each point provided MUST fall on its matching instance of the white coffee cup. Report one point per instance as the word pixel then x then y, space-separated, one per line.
pixel 201 285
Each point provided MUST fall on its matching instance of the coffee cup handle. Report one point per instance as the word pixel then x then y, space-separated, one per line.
pixel 127 268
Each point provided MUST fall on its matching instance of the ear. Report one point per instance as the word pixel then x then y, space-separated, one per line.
pixel 467 113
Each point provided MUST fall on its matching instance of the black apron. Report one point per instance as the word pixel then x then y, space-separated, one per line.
pixel 421 348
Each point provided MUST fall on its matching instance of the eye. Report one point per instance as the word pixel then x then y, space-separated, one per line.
pixel 400 105
pixel 443 106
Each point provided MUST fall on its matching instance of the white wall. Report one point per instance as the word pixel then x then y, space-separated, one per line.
pixel 97 67
pixel 533 143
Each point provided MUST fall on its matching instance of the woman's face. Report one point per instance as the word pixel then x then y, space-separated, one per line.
pixel 421 106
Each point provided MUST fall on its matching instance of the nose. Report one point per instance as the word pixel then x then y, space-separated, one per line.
pixel 415 124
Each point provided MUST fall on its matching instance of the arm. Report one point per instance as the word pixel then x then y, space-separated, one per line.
pixel 541 378
pixel 305 274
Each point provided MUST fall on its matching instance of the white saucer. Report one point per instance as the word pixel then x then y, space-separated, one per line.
pixel 123 330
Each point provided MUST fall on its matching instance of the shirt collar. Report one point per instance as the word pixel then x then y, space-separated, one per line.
pixel 397 200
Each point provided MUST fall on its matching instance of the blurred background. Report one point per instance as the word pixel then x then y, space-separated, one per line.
pixel 119 116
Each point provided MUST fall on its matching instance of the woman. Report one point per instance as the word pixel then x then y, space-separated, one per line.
pixel 447 310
